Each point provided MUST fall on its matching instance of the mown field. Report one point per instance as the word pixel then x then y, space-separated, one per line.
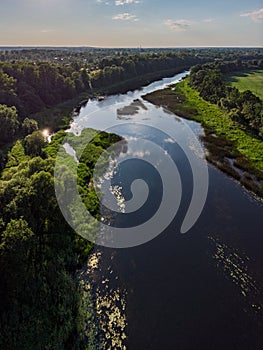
pixel 252 81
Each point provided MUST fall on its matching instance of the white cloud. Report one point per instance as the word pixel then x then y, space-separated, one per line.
pixel 256 16
pixel 179 25
pixel 124 2
pixel 103 2
pixel 125 17
pixel 208 20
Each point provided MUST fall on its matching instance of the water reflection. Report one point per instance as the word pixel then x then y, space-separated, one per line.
pixel 135 107
pixel 178 292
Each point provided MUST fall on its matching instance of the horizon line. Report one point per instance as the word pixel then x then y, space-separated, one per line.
pixel 132 47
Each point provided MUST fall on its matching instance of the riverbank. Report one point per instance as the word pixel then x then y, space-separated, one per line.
pixel 230 148
pixel 139 81
pixel 59 117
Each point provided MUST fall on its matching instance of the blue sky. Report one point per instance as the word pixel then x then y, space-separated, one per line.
pixel 131 23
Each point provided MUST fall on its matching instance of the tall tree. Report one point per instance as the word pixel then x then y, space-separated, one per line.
pixel 9 123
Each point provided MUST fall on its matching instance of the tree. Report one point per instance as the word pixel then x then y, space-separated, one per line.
pixel 85 78
pixel 9 123
pixel 16 247
pixel 7 88
pixel 17 155
pixel 17 273
pixel 38 294
pixel 29 126
pixel 35 143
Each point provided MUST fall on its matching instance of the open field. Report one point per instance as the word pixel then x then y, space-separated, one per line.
pixel 252 80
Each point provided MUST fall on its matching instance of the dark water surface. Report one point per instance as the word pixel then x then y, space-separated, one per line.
pixel 200 290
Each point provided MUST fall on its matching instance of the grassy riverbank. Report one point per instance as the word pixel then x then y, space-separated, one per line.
pixel 231 149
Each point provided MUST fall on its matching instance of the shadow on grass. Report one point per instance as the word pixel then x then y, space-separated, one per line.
pixel 233 77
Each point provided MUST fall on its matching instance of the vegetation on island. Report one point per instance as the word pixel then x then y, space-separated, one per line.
pixel 39 252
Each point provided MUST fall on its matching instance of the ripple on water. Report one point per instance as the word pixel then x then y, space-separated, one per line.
pixel 235 266
pixel 106 308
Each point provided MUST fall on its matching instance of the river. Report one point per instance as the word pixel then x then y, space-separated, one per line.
pixel 199 290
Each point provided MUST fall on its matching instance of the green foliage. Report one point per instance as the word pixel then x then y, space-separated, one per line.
pixel 39 252
pixel 29 126
pixel 7 89
pixel 16 155
pixel 34 144
pixel 16 252
pixel 244 107
pixel 9 124
pixel 37 255
pixel 212 117
pixel 38 85
pixel 209 83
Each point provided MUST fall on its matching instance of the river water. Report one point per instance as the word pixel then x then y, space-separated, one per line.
pixel 200 290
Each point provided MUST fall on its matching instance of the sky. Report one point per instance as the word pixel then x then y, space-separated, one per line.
pixel 131 23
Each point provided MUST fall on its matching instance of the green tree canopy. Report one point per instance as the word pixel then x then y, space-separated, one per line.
pixel 29 126
pixel 34 143
pixel 9 123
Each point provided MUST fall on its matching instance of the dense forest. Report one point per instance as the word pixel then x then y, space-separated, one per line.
pixel 39 252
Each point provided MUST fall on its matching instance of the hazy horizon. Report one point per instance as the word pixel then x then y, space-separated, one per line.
pixel 129 47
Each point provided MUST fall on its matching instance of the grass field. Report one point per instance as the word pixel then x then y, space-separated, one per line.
pixel 251 80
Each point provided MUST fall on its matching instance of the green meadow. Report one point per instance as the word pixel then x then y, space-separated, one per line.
pixel 251 80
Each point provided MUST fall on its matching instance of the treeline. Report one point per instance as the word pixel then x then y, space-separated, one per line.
pixel 115 69
pixel 243 107
pixel 237 65
pixel 92 55
pixel 32 86
pixel 39 252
